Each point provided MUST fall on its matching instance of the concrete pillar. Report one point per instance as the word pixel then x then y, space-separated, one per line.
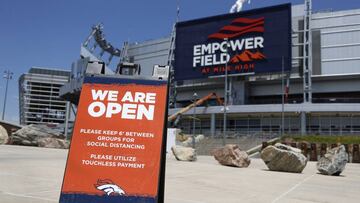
pixel 238 92
pixel 66 131
pixel 212 125
pixel 303 123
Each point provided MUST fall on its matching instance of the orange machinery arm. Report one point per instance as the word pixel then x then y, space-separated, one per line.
pixel 197 103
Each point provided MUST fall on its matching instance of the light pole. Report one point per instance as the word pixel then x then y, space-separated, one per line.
pixel 225 92
pixel 8 76
pixel 194 120
pixel 282 98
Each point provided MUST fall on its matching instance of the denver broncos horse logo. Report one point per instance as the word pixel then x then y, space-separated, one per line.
pixel 109 187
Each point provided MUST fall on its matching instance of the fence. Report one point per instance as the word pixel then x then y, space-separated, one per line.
pixel 345 124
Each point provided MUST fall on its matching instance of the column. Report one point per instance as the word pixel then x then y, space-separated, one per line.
pixel 303 123
pixel 212 125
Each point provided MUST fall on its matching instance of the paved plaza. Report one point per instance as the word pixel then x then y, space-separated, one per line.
pixel 34 175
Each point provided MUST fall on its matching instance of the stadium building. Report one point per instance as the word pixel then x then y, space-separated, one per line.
pixel 315 89
pixel 39 101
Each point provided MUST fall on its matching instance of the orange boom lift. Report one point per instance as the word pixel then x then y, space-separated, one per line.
pixel 196 103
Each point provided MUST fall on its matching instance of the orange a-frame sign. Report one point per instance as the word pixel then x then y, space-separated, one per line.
pixel 117 148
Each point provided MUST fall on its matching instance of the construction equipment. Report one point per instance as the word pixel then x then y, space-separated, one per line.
pixel 194 104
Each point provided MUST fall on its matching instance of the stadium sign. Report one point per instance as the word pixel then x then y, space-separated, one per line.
pixel 253 41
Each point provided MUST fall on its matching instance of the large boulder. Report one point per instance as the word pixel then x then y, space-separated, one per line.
pixel 231 155
pixel 29 135
pixel 333 162
pixel 283 158
pixel 184 153
pixel 4 138
pixel 50 142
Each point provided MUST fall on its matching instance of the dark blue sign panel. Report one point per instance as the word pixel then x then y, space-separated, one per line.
pixel 248 42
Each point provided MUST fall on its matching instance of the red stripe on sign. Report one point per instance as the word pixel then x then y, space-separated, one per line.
pixel 239 29
pixel 247 20
pixel 223 35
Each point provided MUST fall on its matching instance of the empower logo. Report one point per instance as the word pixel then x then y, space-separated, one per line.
pixel 240 42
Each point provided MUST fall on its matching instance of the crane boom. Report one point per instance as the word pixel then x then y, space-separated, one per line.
pixel 196 103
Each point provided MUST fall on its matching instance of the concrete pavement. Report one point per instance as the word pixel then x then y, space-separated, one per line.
pixel 34 175
pixel 29 174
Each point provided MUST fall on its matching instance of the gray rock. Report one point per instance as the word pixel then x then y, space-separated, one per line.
pixel 333 162
pixel 284 158
pixel 30 134
pixel 4 138
pixel 231 155
pixel 184 153
pixel 53 143
pixel 27 143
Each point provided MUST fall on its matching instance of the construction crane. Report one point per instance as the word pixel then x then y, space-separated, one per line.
pixel 194 104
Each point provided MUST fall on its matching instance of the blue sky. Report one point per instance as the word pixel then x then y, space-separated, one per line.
pixel 48 33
